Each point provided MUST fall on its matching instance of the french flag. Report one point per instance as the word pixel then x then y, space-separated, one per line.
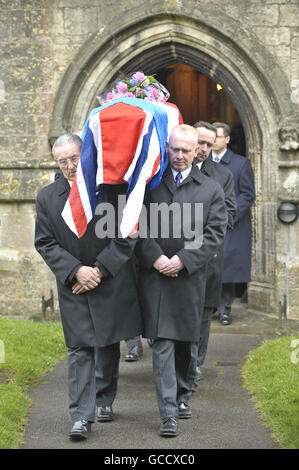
pixel 123 141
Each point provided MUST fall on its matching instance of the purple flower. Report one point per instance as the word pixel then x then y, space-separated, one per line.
pixel 139 76
pixel 153 91
pixel 122 87
pixel 162 99
pixel 111 95
pixel 133 81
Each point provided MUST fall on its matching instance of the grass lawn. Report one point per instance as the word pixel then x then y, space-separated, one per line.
pixel 271 375
pixel 31 349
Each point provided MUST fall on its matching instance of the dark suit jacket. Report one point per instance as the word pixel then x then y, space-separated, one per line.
pixel 108 313
pixel 224 177
pixel 237 244
pixel 172 307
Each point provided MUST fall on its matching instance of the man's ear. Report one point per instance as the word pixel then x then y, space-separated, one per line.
pixel 196 151
pixel 166 145
pixel 228 139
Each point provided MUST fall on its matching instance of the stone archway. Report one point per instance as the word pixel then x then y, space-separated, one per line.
pixel 152 43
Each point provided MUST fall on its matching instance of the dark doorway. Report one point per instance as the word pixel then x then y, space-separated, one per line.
pixel 200 98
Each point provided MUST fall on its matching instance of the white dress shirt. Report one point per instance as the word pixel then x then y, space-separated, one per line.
pixel 218 156
pixel 184 173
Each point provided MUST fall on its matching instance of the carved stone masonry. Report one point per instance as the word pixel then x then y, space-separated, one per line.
pixel 289 134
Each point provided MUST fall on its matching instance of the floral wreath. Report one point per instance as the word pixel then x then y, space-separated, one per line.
pixel 138 85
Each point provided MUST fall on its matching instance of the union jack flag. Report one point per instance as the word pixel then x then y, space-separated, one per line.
pixel 123 141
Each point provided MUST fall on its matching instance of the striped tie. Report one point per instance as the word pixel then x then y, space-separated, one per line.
pixel 178 179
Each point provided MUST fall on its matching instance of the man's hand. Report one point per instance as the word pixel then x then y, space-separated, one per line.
pixel 88 278
pixel 161 262
pixel 79 289
pixel 173 267
pixel 168 267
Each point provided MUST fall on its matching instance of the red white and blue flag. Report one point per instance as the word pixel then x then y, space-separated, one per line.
pixel 123 141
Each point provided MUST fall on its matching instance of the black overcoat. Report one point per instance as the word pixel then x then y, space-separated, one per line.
pixel 110 312
pixel 237 243
pixel 224 177
pixel 172 307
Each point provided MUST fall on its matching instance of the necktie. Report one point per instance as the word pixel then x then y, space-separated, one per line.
pixel 216 159
pixel 178 179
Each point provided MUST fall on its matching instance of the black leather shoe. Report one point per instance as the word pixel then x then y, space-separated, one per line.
pixel 80 430
pixel 134 354
pixel 184 411
pixel 105 413
pixel 224 319
pixel 168 427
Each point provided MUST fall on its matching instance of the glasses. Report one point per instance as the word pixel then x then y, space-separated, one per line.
pixel 220 136
pixel 63 162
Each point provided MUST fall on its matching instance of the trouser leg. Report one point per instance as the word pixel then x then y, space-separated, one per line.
pixel 193 365
pixel 165 377
pixel 204 335
pixel 227 297
pixel 106 373
pixel 134 343
pixel 199 350
pixel 81 383
pixel 184 370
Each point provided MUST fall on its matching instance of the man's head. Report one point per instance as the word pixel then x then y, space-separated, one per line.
pixel 206 135
pixel 66 151
pixel 182 147
pixel 222 138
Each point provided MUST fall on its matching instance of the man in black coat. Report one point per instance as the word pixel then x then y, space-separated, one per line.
pixel 206 137
pixel 173 270
pixel 96 290
pixel 237 243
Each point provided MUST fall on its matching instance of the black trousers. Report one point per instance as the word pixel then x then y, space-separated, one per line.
pixel 228 293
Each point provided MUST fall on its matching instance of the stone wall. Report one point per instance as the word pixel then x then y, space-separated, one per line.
pixel 55 56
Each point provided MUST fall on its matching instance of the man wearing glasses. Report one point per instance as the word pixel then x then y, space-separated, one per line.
pixel 96 290
pixel 237 243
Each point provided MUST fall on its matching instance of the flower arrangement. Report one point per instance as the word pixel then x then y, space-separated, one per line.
pixel 138 85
